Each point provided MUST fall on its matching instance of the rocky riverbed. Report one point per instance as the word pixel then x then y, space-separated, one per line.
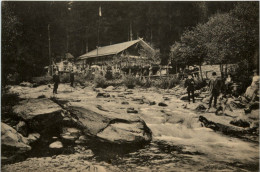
pixel 132 130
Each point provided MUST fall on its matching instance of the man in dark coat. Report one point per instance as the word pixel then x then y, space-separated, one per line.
pixel 214 89
pixel 71 78
pixel 189 84
pixel 56 80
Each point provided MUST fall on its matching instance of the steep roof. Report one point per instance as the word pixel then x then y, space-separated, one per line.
pixel 113 49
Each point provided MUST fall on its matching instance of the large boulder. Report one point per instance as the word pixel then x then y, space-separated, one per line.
pixel 111 127
pixel 40 114
pixel 13 143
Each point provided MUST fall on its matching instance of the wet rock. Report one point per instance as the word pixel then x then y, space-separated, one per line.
pixel 21 127
pixel 131 110
pixel 112 127
pixel 70 134
pixel 110 88
pixel 200 108
pixel 162 104
pixel 247 110
pixel 166 98
pixel 152 103
pixel 240 123
pixel 41 96
pixel 229 129
pixel 83 138
pixel 12 142
pixel 40 114
pixel 121 95
pixel 26 84
pixel 56 145
pixel 237 104
pixel 125 103
pixel 103 95
pixel 137 98
pixel 102 108
pixel 185 97
pixel 33 137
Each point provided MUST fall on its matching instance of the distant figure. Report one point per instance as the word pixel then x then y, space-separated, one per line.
pixel 186 71
pixel 252 90
pixel 214 88
pixel 150 71
pixel 180 74
pixel 71 78
pixel 189 84
pixel 228 84
pixel 56 80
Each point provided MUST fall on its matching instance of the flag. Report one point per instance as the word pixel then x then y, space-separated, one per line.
pixel 100 13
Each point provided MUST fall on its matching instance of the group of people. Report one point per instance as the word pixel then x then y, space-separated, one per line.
pixel 217 86
pixel 189 70
pixel 56 80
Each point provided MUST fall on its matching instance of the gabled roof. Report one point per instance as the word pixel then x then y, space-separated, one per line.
pixel 114 49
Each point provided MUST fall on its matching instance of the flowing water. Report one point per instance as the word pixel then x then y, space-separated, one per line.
pixel 180 142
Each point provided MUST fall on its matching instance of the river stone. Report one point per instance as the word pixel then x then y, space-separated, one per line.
pixel 119 133
pixel 123 128
pixel 162 104
pixel 240 123
pixel 12 142
pixel 131 110
pixel 21 127
pixel 152 103
pixel 56 145
pixel 40 114
pixel 103 95
pixel 124 103
pixel 33 137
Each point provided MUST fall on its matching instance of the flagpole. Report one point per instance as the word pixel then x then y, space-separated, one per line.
pixel 99 16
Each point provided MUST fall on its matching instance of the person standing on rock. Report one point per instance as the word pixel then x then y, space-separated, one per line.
pixel 214 89
pixel 189 84
pixel 56 80
pixel 71 78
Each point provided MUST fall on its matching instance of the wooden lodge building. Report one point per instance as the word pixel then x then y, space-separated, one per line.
pixel 136 52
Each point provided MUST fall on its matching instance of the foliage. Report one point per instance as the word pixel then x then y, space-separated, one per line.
pixel 65 78
pixel 224 38
pixel 9 98
pixel 109 75
pixel 129 81
pixel 166 83
pixel 42 80
pixel 100 81
pixel 117 75
pixel 114 82
pixel 73 25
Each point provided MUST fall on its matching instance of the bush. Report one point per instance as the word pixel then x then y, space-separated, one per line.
pixel 114 82
pixel 100 81
pixel 109 75
pixel 129 81
pixel 117 75
pixel 42 80
pixel 166 83
pixel 9 99
pixel 65 78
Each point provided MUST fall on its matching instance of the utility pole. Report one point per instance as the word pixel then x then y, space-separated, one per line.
pixel 67 40
pixel 86 39
pixel 50 58
pixel 131 33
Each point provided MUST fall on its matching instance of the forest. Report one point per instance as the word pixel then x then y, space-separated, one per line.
pixel 164 25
